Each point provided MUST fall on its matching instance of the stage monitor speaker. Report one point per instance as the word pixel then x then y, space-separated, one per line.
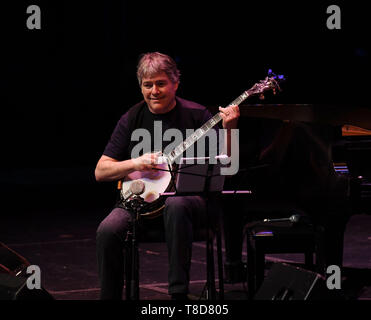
pixel 13 278
pixel 288 282
pixel 15 288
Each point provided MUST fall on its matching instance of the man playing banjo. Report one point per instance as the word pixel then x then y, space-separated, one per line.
pixel 158 78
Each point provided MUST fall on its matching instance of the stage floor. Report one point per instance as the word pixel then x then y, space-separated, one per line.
pixel 62 243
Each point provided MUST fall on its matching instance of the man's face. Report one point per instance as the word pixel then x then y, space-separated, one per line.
pixel 159 93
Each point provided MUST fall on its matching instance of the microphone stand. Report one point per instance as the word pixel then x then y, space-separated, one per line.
pixel 132 281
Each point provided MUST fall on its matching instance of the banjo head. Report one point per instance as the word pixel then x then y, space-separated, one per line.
pixel 155 182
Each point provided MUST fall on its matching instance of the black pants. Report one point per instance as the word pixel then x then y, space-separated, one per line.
pixel 182 215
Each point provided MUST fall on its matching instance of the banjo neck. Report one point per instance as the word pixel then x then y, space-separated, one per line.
pixel 202 131
pixel 271 82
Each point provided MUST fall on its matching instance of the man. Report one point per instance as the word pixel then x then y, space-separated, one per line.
pixel 158 78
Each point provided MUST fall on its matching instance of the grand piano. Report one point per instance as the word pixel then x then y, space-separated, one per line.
pixel 318 156
pixel 342 131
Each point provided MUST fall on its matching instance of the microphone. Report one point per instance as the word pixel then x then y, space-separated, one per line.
pixel 294 219
pixel 137 187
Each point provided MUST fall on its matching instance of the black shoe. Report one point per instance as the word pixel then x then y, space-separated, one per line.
pixel 179 297
pixel 235 272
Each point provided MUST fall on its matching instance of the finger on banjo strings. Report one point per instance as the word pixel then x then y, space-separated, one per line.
pixel 236 109
pixel 224 112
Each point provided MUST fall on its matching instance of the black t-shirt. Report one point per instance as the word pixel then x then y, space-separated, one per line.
pixel 185 115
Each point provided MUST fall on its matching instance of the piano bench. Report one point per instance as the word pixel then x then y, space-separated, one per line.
pixel 281 237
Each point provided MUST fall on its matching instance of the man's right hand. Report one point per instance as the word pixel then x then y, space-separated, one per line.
pixel 110 169
pixel 146 162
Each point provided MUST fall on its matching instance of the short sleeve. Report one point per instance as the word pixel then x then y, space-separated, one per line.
pixel 118 145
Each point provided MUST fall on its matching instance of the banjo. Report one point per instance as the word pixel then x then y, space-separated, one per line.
pixel 147 186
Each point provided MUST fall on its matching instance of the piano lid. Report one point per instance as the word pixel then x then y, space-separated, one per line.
pixel 349 130
pixel 335 115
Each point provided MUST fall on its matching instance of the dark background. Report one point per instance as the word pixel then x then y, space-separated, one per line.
pixel 64 87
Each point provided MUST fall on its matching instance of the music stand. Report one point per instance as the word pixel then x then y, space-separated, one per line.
pixel 195 178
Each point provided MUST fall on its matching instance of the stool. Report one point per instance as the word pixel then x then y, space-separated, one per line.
pixel 281 237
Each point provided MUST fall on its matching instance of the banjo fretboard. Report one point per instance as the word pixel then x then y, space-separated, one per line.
pixel 199 133
pixel 258 88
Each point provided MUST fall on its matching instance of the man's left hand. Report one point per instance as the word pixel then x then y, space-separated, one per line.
pixel 230 116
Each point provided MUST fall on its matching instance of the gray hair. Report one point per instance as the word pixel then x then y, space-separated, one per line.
pixel 153 63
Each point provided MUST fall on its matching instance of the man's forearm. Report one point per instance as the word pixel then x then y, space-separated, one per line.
pixel 108 170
